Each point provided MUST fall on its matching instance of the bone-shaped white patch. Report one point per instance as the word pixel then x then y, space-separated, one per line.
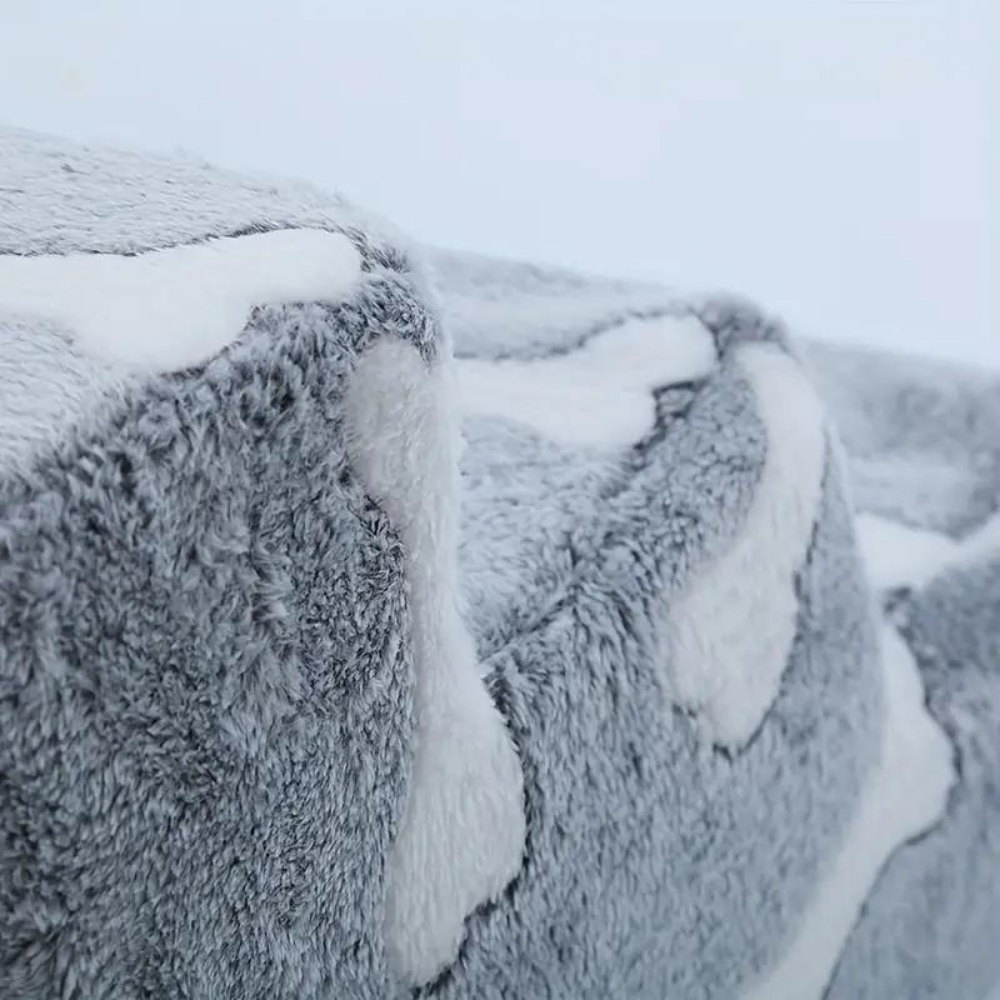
pixel 598 395
pixel 904 795
pixel 461 836
pixel 898 555
pixel 730 634
pixel 164 310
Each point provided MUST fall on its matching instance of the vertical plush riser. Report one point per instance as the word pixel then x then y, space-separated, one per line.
pixel 205 688
pixel 661 862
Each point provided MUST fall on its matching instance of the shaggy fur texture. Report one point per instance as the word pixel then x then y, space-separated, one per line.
pixel 922 447
pixel 279 719
pixel 206 678
pixel 205 692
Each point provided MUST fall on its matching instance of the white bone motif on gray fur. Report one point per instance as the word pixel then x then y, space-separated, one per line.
pixel 730 633
pixel 599 394
pixel 903 797
pixel 248 745
pixel 898 555
pixel 462 833
pixel 164 310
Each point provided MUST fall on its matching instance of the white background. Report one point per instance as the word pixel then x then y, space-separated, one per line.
pixel 837 160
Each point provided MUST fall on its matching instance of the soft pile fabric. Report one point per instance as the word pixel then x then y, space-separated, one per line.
pixel 378 621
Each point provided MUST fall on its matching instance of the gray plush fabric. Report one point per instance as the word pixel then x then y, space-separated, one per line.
pixel 207 718
pixel 933 927
pixel 922 444
pixel 205 692
pixel 641 869
pixel 921 435
pixel 201 704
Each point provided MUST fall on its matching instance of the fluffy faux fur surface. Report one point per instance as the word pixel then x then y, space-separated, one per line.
pixel 175 308
pixel 731 633
pixel 606 383
pixel 198 723
pixel 923 456
pixel 462 835
pixel 206 661
pixel 585 664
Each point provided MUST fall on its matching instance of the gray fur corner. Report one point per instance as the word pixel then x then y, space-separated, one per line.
pixel 205 691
